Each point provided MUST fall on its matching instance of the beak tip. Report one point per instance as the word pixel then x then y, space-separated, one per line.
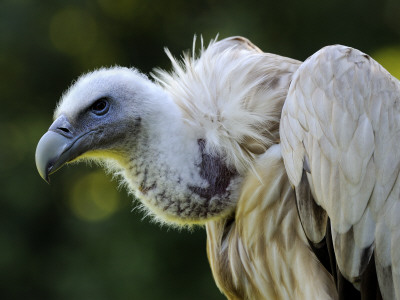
pixel 47 153
pixel 55 148
pixel 47 175
pixel 44 173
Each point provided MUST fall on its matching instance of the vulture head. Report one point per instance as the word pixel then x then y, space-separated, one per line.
pixel 98 116
pixel 119 117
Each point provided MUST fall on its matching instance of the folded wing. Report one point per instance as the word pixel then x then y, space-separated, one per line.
pixel 340 132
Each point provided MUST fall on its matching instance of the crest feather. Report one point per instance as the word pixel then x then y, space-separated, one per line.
pixel 232 94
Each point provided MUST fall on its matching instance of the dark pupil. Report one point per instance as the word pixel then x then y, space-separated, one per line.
pixel 99 105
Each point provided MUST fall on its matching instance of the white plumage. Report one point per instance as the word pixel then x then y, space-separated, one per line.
pixel 233 94
pixel 207 145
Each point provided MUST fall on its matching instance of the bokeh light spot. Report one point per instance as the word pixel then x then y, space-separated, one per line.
pixel 73 31
pixel 389 58
pixel 94 197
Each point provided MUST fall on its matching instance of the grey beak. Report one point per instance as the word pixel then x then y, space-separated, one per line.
pixel 56 147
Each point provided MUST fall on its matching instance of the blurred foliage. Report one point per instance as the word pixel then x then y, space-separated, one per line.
pixel 78 238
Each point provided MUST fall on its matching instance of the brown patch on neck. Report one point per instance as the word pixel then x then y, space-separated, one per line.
pixel 214 170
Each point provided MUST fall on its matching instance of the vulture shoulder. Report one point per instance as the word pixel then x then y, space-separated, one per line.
pixel 340 134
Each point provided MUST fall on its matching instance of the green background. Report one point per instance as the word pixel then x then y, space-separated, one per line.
pixel 80 238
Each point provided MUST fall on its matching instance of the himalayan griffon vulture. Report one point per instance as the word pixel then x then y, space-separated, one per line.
pixel 292 167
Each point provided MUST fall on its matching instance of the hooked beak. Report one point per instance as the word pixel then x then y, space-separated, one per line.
pixel 59 145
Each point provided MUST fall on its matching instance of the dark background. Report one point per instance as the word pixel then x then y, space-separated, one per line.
pixel 79 238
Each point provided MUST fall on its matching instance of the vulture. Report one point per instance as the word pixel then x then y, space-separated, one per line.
pixel 292 167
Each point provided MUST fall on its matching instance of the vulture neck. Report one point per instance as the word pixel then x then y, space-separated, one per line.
pixel 171 172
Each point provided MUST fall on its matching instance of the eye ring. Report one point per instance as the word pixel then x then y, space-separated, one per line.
pixel 100 107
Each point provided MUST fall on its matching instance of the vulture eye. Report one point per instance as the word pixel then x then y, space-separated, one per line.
pixel 100 107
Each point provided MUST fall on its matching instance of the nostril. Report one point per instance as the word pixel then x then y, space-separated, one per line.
pixel 66 130
pixel 62 126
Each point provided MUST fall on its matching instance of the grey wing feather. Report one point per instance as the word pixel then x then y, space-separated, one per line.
pixel 342 114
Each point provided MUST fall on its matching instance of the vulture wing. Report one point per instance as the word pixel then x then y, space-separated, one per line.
pixel 340 135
